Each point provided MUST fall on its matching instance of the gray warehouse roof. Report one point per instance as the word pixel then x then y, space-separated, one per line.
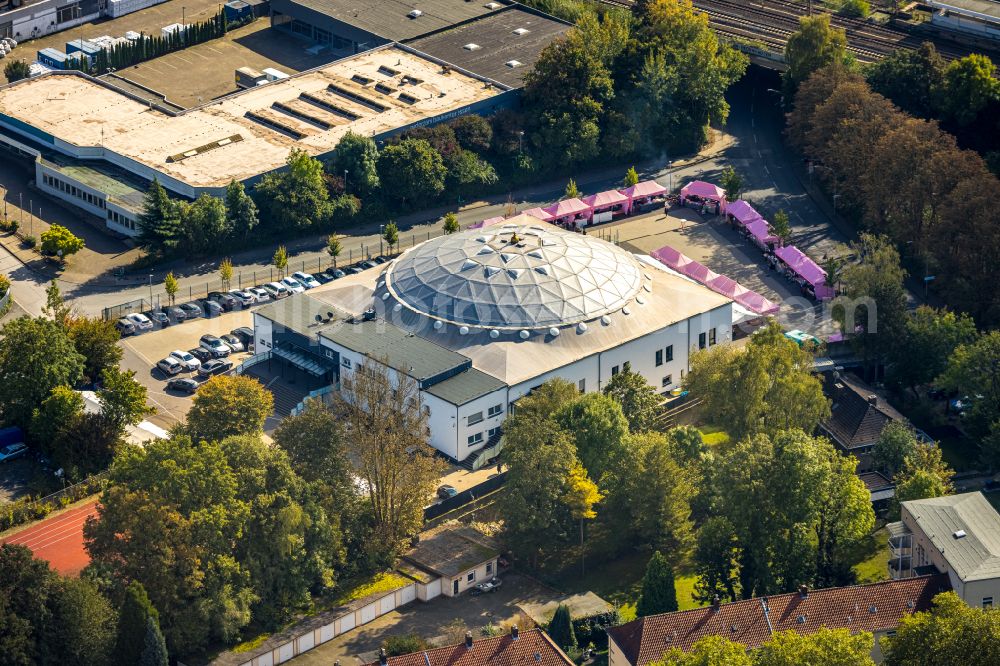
pixel 391 19
pixel 486 45
pixel 965 529
pixel 466 387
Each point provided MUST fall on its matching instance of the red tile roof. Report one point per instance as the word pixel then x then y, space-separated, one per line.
pixel 530 648
pixel 874 607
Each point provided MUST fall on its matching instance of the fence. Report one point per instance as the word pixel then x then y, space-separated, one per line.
pixel 158 297
pixel 320 393
pixel 26 510
pixel 466 496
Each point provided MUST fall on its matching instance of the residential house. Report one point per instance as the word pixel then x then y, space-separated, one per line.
pixel 857 416
pixel 958 536
pixel 518 648
pixel 453 558
pixel 875 608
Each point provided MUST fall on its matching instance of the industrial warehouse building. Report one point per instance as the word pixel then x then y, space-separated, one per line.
pixel 480 318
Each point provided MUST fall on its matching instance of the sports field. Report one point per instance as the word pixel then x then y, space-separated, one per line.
pixel 58 539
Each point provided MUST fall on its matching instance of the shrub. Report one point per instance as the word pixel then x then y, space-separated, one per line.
pixel 859 8
pixel 405 644
pixel 29 241
pixel 4 284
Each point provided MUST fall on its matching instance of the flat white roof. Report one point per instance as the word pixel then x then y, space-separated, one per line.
pixel 257 128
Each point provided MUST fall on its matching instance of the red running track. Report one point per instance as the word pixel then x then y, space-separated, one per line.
pixel 59 539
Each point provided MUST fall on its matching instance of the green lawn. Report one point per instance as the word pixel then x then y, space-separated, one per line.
pixel 875 551
pixel 713 435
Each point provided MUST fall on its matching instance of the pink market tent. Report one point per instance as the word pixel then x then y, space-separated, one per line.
pixel 720 284
pixel 699 188
pixel 539 214
pixel 568 209
pixel 758 229
pixel 487 223
pixel 742 212
pixel 641 192
pixel 805 268
pixel 605 199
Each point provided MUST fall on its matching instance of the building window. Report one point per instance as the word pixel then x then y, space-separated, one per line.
pixel 345 362
pixel 667 381
pixel 711 337
pixel 489 568
pixel 987 602
pixel 614 370
pixel 473 419
pixel 670 353
pixel 495 410
pixel 470 577
pixel 582 385
pixel 493 432
pixel 476 439
pixel 701 341
pixel 659 357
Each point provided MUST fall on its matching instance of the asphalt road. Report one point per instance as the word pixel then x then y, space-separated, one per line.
pixel 756 151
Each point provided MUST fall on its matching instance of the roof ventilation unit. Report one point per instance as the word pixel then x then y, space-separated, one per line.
pixel 492 5
pixel 494 334
pixel 524 335
pixel 959 534
pixel 416 13
pixel 521 32
pixel 513 63
pixel 472 46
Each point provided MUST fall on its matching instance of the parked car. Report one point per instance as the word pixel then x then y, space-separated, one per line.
pixel 305 279
pixel 381 260
pixel 225 300
pixel 217 347
pixel 212 308
pixel 140 321
pixel 160 317
pixel 354 270
pixel 183 385
pixel 214 367
pixel 170 366
pixel 201 354
pixel 191 310
pixel 492 585
pixel 187 359
pixel 368 264
pixel 337 273
pixel 12 451
pixel 446 491
pixel 125 327
pixel 243 297
pixel 277 290
pixel 323 277
pixel 292 285
pixel 176 313
pixel 245 334
pixel 234 342
pixel 260 294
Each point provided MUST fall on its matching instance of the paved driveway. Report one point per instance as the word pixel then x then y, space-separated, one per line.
pixel 442 621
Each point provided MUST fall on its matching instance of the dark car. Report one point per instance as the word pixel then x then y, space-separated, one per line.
pixel 337 273
pixel 176 314
pixel 354 270
pixel 368 264
pixel 444 492
pixel 323 277
pixel 245 334
pixel 201 354
pixel 225 300
pixel 191 310
pixel 212 308
pixel 381 260
pixel 214 367
pixel 160 317
pixel 182 385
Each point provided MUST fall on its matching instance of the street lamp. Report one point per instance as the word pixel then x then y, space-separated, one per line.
pixel 345 181
pixel 520 136
pixel 150 291
pixel 380 228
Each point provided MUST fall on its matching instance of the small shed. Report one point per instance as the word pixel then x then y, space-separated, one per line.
pixel 460 556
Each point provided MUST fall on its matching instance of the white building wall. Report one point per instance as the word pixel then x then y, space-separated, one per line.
pixel 586 369
pixel 60 186
pixel 262 334
pixel 469 579
pixel 442 420
pixel 481 404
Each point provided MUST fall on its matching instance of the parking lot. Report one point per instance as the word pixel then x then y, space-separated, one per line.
pixel 142 351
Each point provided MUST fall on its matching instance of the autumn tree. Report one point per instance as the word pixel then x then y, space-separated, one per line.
pixel 631 177
pixel 639 402
pixel 450 223
pixel 229 405
pixel 334 247
pixel 296 197
pixel 581 496
pixel 171 287
pixel 226 273
pixel 280 260
pixel 816 44
pixel 951 632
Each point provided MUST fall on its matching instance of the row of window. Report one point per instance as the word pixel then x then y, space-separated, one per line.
pixel 711 338
pixel 471 576
pixel 473 419
pixel 479 436
pixel 665 355
pixel 73 190
pixel 120 219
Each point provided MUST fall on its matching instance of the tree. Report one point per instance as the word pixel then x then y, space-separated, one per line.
pixel 732 183
pixel 856 8
pixel 55 308
pixel 334 247
pixel 123 399
pixel 571 190
pixel 766 388
pixel 15 70
pixel 631 177
pixel 659 491
pixel 133 624
pixel 204 224
pixel 780 227
pixel 473 132
pixel 717 558
pixel 450 223
pixel 638 400
pixel 970 85
pixel 833 647
pixel 466 168
pixel 96 339
pixel 391 235
pixel 951 632
pixel 57 411
pixel 599 429
pixel 931 338
pixel 815 45
pixel 296 197
pixel 358 156
pixel 241 211
pixel 228 405
pixel 974 369
pixel 280 260
pixel 416 171
pixel 877 314
pixel 171 287
pixel 560 628
pixel 912 79
pixel 659 594
pixel 60 241
pixel 25 585
pixel 314 442
pixel 386 429
pixel 581 496
pixel 36 355
pixel 226 273
pixel 708 651
pixel 895 444
pixel 154 650
pixel 82 630
pixel 160 228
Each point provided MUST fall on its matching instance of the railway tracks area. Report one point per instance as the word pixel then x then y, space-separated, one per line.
pixel 771 22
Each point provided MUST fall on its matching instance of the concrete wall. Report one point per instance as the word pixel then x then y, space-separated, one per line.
pixel 480 574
